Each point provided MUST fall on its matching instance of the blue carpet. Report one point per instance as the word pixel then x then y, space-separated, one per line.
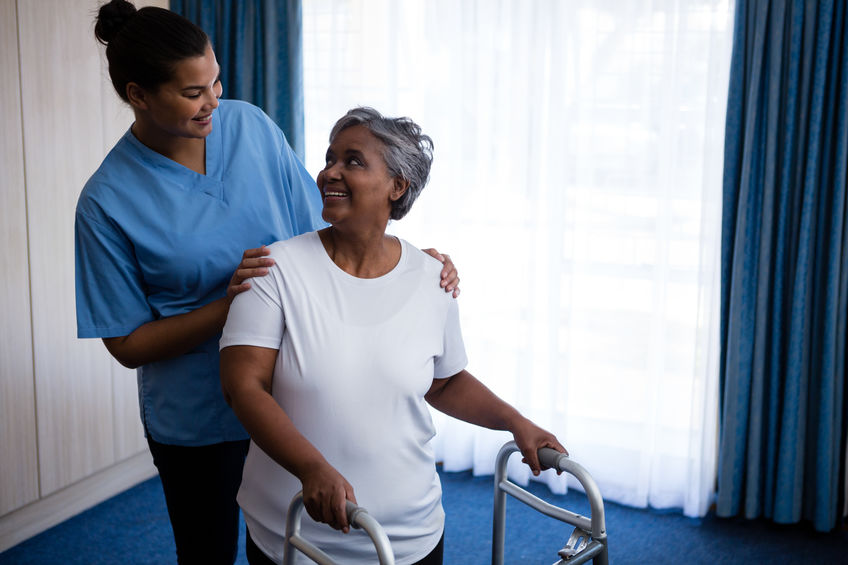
pixel 132 529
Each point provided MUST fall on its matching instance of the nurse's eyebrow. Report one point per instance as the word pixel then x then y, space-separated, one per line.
pixel 201 86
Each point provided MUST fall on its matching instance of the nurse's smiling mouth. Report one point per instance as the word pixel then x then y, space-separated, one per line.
pixel 332 194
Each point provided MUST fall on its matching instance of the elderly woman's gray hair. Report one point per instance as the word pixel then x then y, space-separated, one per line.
pixel 408 152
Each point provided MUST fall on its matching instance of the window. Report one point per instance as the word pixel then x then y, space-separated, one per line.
pixel 577 186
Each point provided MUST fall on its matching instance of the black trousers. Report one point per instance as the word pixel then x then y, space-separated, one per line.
pixel 200 485
pixel 256 557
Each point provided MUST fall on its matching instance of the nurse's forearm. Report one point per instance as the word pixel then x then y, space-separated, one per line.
pixel 169 337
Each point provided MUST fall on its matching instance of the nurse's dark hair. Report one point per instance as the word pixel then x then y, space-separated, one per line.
pixel 143 46
pixel 408 152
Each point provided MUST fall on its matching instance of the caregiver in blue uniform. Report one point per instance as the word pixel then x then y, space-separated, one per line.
pixel 161 232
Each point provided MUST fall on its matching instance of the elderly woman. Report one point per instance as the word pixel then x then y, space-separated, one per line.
pixel 329 362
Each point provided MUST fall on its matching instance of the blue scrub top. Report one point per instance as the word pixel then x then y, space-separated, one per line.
pixel 155 239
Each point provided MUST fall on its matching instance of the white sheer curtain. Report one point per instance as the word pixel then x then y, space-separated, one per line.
pixel 577 186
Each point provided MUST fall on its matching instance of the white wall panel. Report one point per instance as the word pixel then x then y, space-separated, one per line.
pixel 68 412
pixel 18 464
pixel 61 89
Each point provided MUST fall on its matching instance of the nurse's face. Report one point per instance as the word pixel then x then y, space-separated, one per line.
pixel 183 106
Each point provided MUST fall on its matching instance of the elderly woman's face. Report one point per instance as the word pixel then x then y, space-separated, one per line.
pixel 355 183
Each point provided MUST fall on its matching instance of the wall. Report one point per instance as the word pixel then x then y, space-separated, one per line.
pixel 70 435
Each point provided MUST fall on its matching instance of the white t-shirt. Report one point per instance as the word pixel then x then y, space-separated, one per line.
pixel 356 357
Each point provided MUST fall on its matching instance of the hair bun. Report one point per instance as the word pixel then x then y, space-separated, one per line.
pixel 111 18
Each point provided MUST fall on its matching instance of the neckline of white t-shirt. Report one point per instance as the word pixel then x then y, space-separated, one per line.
pixel 343 275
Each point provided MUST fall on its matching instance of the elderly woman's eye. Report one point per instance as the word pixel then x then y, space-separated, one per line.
pixel 354 161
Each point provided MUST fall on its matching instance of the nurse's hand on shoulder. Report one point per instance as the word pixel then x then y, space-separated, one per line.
pixel 449 276
pixel 254 263
pixel 325 492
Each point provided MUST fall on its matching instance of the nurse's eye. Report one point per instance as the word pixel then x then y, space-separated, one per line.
pixel 193 94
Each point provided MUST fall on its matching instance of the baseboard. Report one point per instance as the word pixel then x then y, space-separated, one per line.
pixel 46 512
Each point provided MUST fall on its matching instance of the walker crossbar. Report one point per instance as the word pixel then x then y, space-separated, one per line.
pixel 592 530
pixel 357 517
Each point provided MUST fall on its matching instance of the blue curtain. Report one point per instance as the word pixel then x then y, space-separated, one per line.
pixel 258 44
pixel 785 264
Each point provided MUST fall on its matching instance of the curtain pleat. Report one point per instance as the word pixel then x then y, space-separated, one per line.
pixel 784 262
pixel 258 44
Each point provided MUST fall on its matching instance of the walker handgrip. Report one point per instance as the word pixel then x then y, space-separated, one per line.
pixel 551 458
pixel 357 517
pixel 351 510
pixel 360 518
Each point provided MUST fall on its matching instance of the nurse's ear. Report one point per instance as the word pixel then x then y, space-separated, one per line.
pixel 137 96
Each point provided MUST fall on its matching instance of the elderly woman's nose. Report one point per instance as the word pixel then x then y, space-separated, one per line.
pixel 332 172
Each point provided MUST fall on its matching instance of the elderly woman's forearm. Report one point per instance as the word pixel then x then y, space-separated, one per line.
pixel 246 376
pixel 464 397
pixel 273 431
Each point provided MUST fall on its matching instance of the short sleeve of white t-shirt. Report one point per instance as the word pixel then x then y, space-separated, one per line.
pixel 256 316
pixel 355 359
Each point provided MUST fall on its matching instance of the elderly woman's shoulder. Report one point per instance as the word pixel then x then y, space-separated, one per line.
pixel 421 259
pixel 299 244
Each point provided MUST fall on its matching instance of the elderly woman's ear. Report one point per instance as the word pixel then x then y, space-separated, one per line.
pixel 399 188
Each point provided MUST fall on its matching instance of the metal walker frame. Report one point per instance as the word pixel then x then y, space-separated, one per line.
pixel 357 516
pixel 589 538
pixel 587 541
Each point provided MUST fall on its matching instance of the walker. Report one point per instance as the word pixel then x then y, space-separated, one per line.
pixel 587 541
pixel 589 538
pixel 357 517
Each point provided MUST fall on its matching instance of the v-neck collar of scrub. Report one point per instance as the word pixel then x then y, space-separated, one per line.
pixel 211 183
